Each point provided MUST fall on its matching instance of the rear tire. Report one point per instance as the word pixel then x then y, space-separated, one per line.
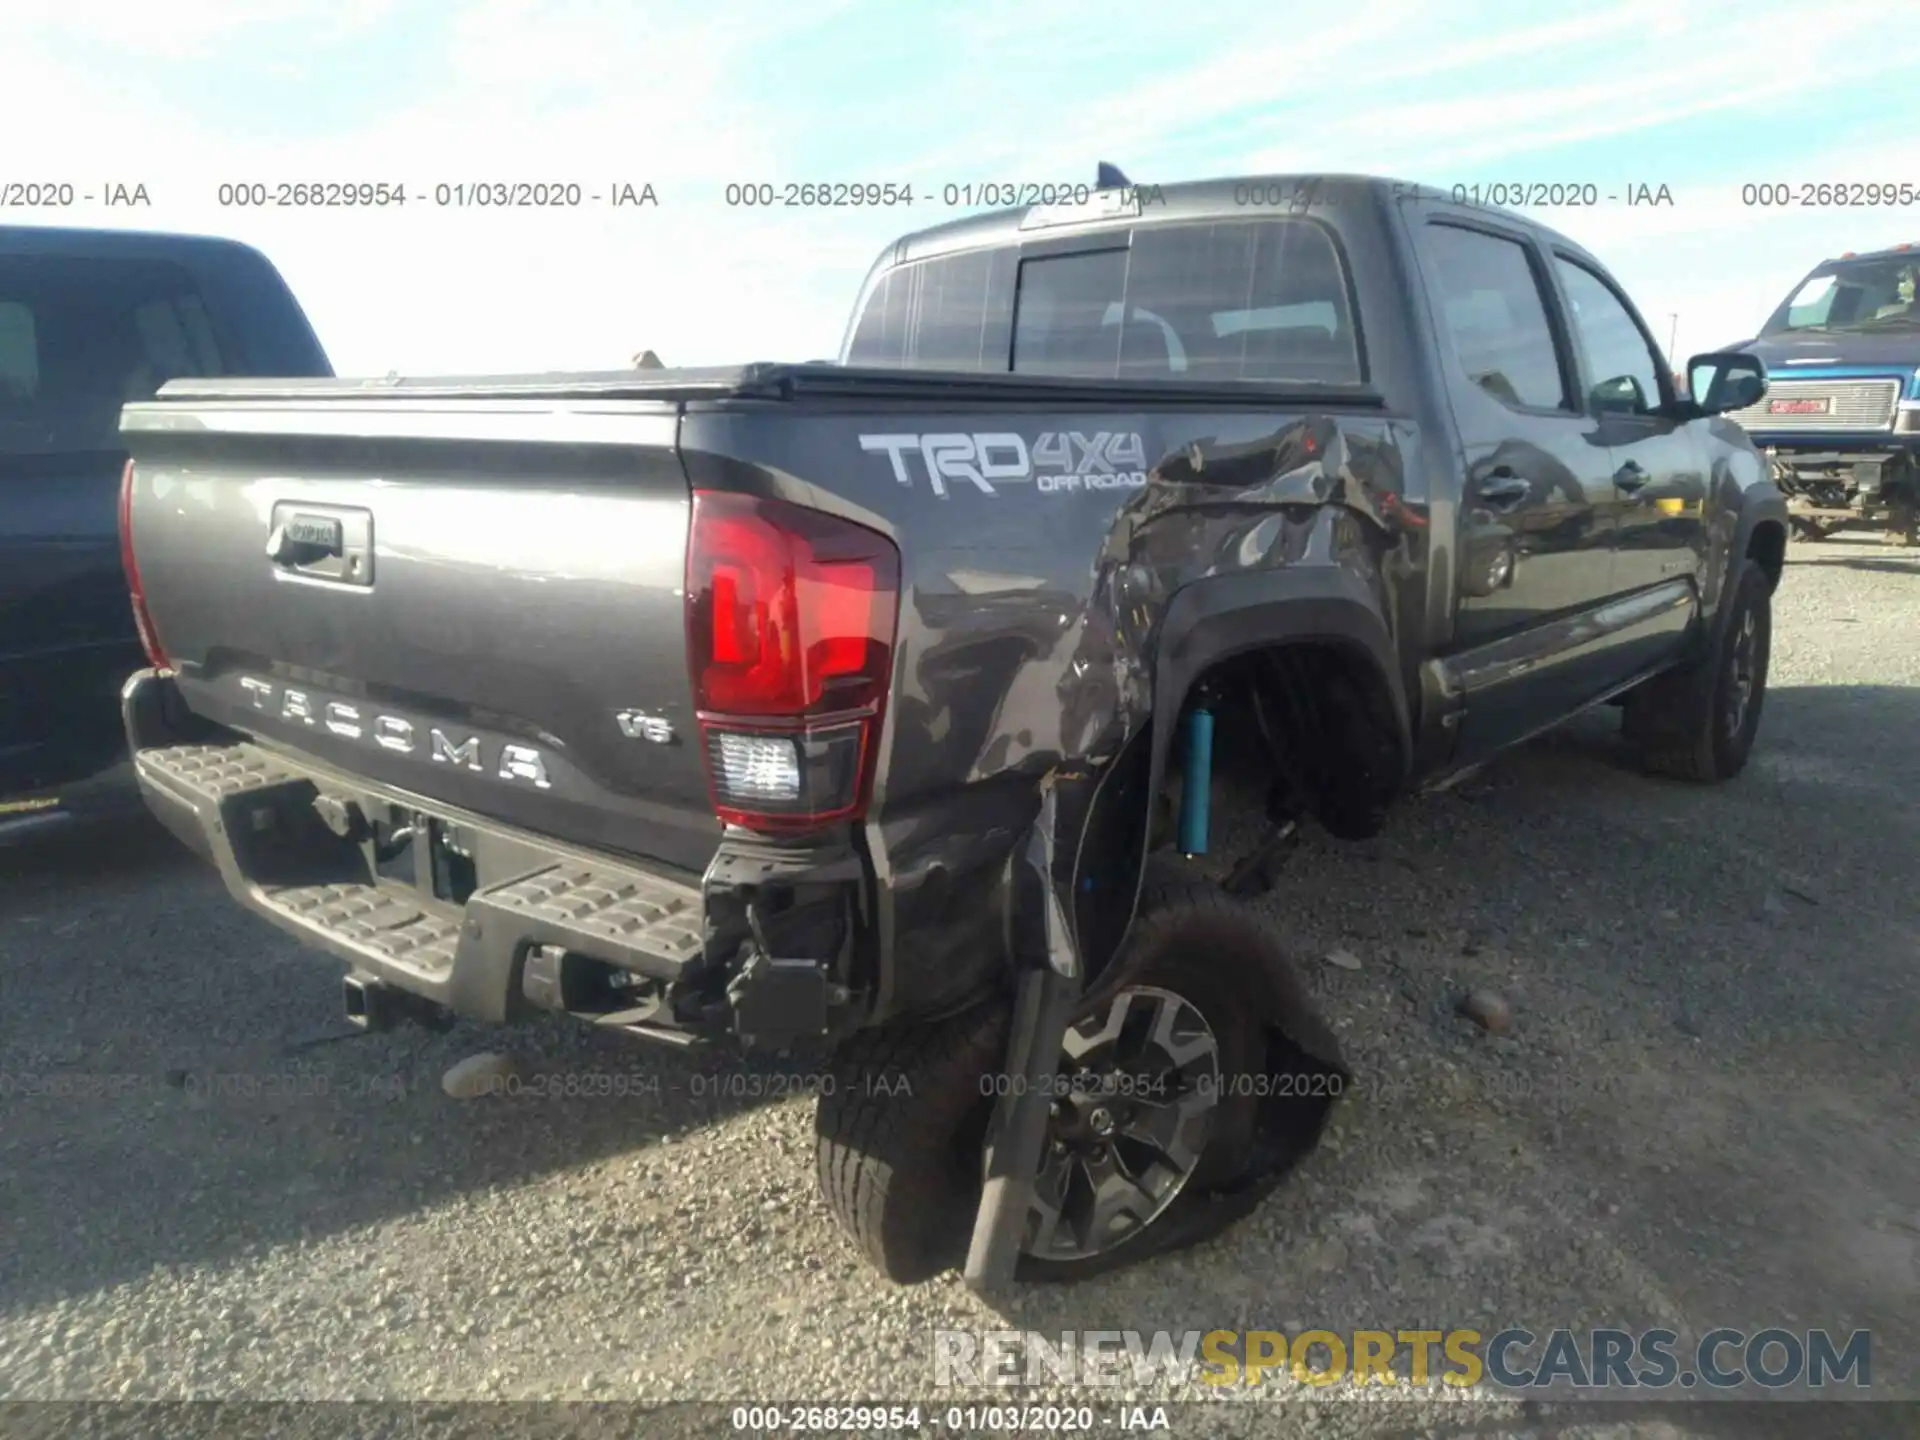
pixel 1699 723
pixel 900 1132
pixel 898 1136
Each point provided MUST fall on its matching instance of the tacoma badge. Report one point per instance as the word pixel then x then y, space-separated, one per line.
pixel 399 734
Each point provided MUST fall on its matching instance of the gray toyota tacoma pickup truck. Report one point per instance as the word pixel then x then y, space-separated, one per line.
pixel 873 706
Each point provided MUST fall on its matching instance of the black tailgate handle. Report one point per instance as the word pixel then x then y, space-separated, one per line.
pixel 329 543
pixel 304 539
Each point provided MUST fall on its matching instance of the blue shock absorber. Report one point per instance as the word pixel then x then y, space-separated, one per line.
pixel 1196 789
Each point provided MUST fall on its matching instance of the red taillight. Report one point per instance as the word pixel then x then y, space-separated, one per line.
pixel 790 629
pixel 142 621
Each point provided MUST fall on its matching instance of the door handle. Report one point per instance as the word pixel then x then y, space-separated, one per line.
pixel 1631 476
pixel 1503 489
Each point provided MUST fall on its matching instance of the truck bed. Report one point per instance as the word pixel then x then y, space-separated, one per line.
pixel 523 542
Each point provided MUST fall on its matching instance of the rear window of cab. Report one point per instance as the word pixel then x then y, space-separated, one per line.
pixel 1231 300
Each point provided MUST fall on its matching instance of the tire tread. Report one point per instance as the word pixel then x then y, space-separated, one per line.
pixel 893 1168
pixel 1674 717
pixel 879 1176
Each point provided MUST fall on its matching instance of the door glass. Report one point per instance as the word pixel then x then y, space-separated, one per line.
pixel 1496 317
pixel 20 429
pixel 80 337
pixel 1622 367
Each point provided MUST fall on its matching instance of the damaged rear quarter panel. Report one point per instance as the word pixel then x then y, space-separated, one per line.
pixel 1034 615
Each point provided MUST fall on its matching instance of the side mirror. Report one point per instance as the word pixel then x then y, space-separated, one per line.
pixel 1726 380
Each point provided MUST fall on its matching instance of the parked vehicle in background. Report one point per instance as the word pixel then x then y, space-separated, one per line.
pixel 1840 423
pixel 90 320
pixel 846 705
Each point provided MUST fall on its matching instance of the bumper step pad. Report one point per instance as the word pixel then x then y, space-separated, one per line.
pixel 612 912
pixel 217 772
pixel 372 918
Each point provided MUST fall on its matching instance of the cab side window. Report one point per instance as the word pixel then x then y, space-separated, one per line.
pixel 954 312
pixel 1495 317
pixel 20 427
pixel 1623 369
pixel 80 337
pixel 1206 301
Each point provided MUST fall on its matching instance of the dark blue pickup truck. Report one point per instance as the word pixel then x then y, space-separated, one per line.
pixel 88 321
pixel 1840 422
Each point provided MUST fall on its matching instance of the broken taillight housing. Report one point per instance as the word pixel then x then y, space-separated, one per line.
pixel 790 632
pixel 142 621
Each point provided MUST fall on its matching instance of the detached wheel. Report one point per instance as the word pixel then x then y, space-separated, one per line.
pixel 1699 723
pixel 1180 1099
pixel 1131 1124
pixel 1153 1096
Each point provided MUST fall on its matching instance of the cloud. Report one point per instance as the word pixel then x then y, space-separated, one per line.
pixel 1515 42
pixel 688 98
pixel 183 29
pixel 1721 263
pixel 568 94
pixel 1636 88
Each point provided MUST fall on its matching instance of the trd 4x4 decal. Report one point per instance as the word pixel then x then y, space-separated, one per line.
pixel 1059 460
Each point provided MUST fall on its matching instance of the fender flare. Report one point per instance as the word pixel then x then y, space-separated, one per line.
pixel 1216 619
pixel 1759 505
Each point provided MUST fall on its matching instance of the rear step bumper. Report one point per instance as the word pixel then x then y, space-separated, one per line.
pixel 244 808
pixel 251 812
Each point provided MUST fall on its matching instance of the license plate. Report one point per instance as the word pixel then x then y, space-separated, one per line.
pixel 1800 407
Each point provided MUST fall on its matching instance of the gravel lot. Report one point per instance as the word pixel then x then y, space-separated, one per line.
pixel 1707 1111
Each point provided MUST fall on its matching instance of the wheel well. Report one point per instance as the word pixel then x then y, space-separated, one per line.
pixel 1316 720
pixel 1313 724
pixel 1768 548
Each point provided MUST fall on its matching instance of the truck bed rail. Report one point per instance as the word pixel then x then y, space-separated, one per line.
pixel 767 381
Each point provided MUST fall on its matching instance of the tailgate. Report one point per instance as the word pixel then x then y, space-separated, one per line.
pixel 477 600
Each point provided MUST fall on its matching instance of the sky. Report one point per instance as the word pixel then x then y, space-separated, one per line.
pixel 690 96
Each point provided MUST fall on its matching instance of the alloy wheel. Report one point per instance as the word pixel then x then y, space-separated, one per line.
pixel 1133 1113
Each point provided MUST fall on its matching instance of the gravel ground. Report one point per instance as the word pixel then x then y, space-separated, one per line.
pixel 1705 1113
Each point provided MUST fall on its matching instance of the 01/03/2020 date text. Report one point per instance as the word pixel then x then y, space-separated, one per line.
pixel 463 194
pixel 876 194
pixel 573 195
